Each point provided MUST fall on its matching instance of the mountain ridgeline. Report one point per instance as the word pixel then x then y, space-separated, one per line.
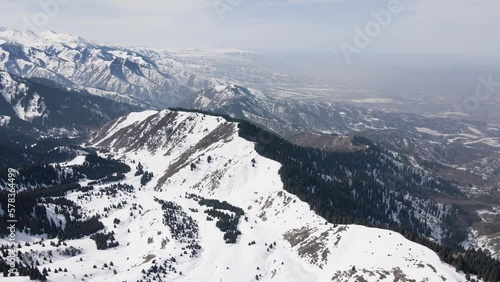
pixel 254 184
pixel 234 166
pixel 373 187
pixel 370 186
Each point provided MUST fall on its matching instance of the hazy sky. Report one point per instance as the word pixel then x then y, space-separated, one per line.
pixel 423 26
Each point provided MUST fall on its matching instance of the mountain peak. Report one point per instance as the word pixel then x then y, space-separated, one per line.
pixel 36 39
pixel 68 39
pixel 209 157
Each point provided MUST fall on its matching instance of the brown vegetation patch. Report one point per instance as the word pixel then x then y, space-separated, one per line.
pixel 399 275
pixel 312 247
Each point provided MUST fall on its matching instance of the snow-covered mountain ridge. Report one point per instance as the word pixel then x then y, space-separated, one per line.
pixel 160 78
pixel 217 81
pixel 71 60
pixel 204 155
pixel 203 205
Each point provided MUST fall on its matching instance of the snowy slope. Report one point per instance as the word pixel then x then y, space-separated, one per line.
pixel 292 243
pixel 157 77
pixel 26 106
pixel 4 120
pixel 231 82
pixel 72 60
pixel 160 77
pixel 48 106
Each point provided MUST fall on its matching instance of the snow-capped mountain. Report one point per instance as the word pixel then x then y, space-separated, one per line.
pixel 212 209
pixel 200 78
pixel 158 77
pixel 72 60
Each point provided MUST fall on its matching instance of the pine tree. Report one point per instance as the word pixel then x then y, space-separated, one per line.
pixel 139 169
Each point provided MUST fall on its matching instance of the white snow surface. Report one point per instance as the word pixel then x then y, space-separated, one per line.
pixel 27 107
pixel 307 247
pixel 4 120
pixel 34 39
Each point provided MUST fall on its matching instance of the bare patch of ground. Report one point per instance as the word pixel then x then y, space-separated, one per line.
pixel 312 247
pixel 223 133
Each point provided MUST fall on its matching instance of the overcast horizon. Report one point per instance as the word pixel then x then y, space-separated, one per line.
pixel 449 27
